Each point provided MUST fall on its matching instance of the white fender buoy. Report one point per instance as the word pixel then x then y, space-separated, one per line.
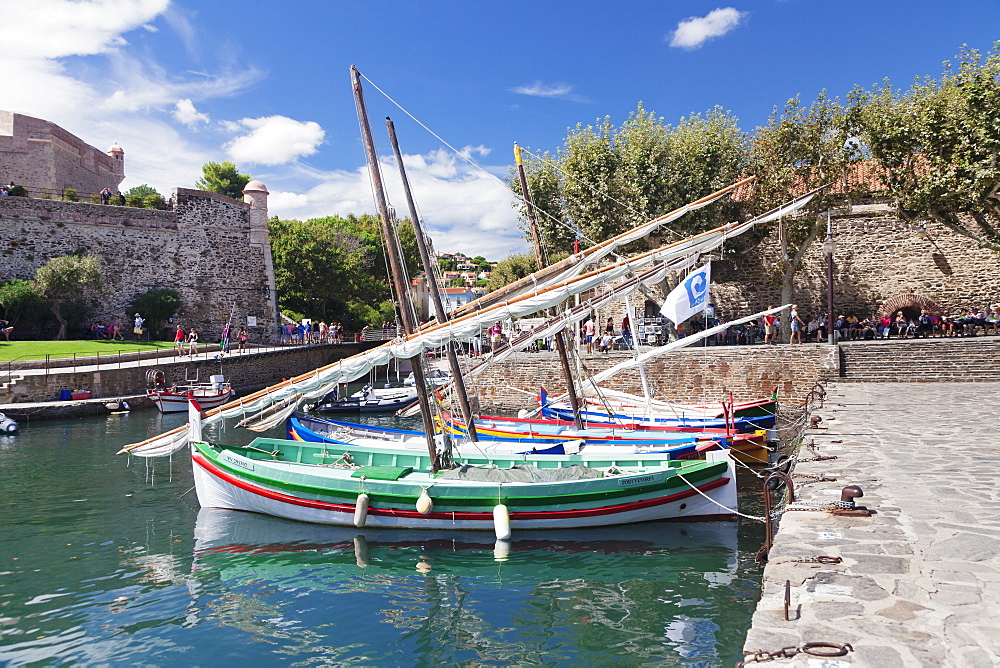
pixel 523 413
pixel 361 510
pixel 425 504
pixel 501 522
pixel 501 550
pixel 361 551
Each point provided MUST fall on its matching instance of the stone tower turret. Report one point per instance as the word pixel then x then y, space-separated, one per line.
pixel 255 194
pixel 117 161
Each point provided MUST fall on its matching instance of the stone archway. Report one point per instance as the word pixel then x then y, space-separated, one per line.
pixel 910 305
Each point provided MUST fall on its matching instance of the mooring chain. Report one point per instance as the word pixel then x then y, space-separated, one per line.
pixel 823 649
pixel 821 559
pixel 820 506
pixel 818 458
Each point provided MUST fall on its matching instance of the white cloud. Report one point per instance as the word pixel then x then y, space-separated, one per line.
pixel 463 209
pixel 118 94
pixel 274 140
pixel 184 112
pixel 559 91
pixel 696 30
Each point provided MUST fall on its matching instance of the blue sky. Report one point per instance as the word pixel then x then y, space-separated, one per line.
pixel 266 84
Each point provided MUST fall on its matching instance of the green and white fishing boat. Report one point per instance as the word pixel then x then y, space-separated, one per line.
pixel 346 485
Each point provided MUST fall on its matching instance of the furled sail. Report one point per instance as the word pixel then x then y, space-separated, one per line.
pixel 464 327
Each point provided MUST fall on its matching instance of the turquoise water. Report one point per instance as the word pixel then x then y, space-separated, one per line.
pixel 109 560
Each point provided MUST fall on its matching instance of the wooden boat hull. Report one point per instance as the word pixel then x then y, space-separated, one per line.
pixel 597 416
pixel 334 431
pixel 176 402
pixel 298 483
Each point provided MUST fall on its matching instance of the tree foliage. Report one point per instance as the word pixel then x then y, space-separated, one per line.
pixel 157 306
pixel 510 269
pixel 335 268
pixel 223 178
pixel 17 298
pixel 938 144
pixel 67 279
pixel 605 179
pixel 800 148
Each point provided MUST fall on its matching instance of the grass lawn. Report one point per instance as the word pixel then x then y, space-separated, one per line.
pixel 17 351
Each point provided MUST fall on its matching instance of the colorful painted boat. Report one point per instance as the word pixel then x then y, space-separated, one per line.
pixel 751 446
pixel 614 407
pixel 321 430
pixel 208 395
pixel 326 483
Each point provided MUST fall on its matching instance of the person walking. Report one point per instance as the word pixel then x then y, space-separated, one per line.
pixel 192 340
pixel 226 333
pixel 241 340
pixel 770 328
pixel 137 327
pixel 797 325
pixel 179 339
pixel 589 331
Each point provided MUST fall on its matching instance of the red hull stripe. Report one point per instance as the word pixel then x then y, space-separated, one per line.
pixel 214 470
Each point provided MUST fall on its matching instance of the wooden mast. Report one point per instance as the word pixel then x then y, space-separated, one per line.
pixel 395 264
pixel 537 241
pixel 435 292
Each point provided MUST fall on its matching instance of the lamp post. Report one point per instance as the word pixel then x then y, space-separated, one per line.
pixel 829 246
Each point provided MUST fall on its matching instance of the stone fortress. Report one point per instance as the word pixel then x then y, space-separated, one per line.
pixel 212 249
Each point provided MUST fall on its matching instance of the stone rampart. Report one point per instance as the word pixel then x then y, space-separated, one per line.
pixel 202 248
pixel 706 375
pixel 37 153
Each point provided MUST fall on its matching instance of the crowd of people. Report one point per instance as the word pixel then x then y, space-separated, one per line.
pixel 311 332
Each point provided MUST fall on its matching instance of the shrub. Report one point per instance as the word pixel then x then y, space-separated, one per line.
pixel 156 306
pixel 134 200
pixel 69 195
pixel 154 201
pixel 95 198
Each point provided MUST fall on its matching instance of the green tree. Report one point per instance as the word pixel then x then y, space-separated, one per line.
pixel 223 178
pixel 141 191
pixel 512 268
pixel 320 265
pixel 938 144
pixel 800 149
pixel 605 180
pixel 157 306
pixel 67 279
pixel 17 298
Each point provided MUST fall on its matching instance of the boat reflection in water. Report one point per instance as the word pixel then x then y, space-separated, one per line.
pixel 651 592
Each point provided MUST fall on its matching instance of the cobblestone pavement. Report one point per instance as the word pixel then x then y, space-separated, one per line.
pixel 919 584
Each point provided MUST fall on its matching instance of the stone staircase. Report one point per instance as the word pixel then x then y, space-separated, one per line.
pixel 964 359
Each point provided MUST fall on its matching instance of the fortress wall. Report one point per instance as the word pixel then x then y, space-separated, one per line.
pixel 202 249
pixel 877 258
pixel 39 154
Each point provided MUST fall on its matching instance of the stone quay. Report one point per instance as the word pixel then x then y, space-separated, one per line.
pixel 918 583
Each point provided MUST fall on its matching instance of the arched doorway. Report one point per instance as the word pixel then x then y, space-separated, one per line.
pixel 910 305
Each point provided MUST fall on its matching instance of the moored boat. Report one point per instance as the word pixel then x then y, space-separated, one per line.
pixel 367 400
pixel 208 395
pixel 346 485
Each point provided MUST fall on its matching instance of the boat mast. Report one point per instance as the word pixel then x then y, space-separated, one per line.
pixel 435 292
pixel 395 264
pixel 574 402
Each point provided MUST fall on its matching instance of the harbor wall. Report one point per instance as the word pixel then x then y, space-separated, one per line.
pixel 246 373
pixel 703 374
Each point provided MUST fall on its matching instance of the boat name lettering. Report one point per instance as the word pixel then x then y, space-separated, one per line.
pixel 239 462
pixel 641 480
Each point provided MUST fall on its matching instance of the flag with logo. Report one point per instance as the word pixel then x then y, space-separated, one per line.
pixel 690 297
